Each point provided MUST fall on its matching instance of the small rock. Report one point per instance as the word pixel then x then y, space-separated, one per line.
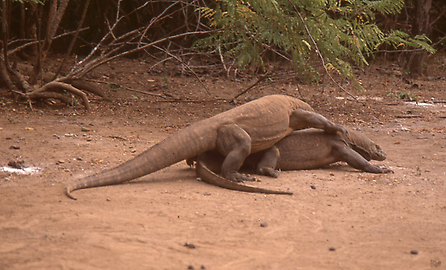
pixel 15 147
pixel 264 224
pixel 19 164
pixel 435 263
pixel 313 186
pixel 332 249
pixel 84 129
pixel 414 252
pixel 191 267
pixel 190 245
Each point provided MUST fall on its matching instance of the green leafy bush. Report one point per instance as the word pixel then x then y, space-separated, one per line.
pixel 337 33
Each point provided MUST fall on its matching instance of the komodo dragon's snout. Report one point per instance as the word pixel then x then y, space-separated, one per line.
pixel 364 146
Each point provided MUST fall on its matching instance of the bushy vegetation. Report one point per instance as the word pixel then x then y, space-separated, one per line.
pixel 316 36
pixel 338 34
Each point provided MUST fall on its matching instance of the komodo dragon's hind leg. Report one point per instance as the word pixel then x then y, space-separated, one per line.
pixel 235 144
pixel 267 165
pixel 301 119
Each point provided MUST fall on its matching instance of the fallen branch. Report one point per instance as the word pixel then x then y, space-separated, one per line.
pixel 58 86
pixel 48 95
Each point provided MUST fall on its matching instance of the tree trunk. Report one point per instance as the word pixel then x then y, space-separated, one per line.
pixel 420 25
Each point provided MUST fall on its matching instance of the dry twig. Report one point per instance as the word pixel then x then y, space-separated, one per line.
pixel 263 77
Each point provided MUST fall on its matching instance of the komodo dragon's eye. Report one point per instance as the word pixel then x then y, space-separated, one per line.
pixel 379 153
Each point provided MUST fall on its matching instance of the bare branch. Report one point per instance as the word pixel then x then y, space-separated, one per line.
pixel 70 48
pixel 47 95
pixel 222 60
pixel 5 77
pixel 55 16
pixel 81 72
pixel 263 77
pixel 187 66
pixel 55 86
pixel 155 19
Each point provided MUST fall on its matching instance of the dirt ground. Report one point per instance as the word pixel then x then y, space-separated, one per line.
pixel 170 220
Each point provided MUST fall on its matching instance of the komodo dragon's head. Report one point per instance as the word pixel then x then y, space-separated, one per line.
pixel 364 146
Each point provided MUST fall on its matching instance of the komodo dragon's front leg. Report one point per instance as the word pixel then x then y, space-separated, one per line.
pixel 267 165
pixel 344 153
pixel 234 143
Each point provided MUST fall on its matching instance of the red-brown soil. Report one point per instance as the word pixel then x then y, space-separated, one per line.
pixel 352 220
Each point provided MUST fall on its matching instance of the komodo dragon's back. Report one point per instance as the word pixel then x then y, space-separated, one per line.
pixel 265 121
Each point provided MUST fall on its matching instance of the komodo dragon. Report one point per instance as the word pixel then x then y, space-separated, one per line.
pixel 250 128
pixel 305 149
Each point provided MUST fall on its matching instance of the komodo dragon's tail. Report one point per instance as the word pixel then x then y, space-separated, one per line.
pixel 205 167
pixel 186 143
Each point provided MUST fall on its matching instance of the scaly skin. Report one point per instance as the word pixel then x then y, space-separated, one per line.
pixel 310 149
pixel 250 128
pixel 305 149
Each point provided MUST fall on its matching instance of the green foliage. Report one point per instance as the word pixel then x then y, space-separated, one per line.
pixel 399 39
pixel 342 31
pixel 114 86
pixel 403 95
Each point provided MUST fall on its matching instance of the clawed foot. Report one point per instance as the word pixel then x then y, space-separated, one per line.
pixel 386 170
pixel 239 177
pixel 191 161
pixel 268 172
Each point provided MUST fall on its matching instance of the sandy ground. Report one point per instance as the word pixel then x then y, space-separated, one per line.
pixel 170 220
